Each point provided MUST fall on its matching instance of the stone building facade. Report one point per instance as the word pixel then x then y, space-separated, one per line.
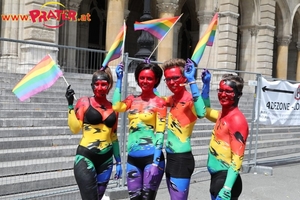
pixel 259 36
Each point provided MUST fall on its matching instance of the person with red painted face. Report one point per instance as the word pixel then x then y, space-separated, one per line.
pixel 185 109
pixel 98 122
pixel 228 141
pixel 146 115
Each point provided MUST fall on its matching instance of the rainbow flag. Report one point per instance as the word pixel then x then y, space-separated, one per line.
pixel 39 78
pixel 206 40
pixel 115 50
pixel 157 27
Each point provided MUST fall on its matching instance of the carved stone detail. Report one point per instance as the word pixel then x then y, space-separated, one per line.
pixel 284 41
pixel 229 14
pixel 204 17
pixel 167 7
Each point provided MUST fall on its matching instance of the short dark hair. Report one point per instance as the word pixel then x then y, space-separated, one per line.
pixel 153 67
pixel 105 75
pixel 239 81
pixel 174 62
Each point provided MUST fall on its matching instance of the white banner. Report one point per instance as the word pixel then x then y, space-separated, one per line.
pixel 280 103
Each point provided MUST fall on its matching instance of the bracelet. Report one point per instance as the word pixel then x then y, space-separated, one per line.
pixel 118 163
pixel 154 164
pixel 227 188
pixel 71 107
pixel 183 84
pixel 192 82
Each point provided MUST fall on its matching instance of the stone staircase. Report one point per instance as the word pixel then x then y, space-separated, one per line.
pixel 37 149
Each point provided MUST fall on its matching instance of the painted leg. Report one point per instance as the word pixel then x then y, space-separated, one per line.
pixel 179 188
pixel 134 182
pixel 85 175
pixel 151 184
pixel 103 179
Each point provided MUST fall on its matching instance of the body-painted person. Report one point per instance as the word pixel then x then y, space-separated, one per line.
pixel 185 108
pixel 228 141
pixel 98 122
pixel 146 114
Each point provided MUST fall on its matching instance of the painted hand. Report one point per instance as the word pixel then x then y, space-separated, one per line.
pixel 190 70
pixel 224 194
pixel 119 71
pixel 206 76
pixel 70 95
pixel 118 171
pixel 154 172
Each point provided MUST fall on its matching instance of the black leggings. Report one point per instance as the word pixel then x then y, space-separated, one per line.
pixel 180 165
pixel 87 169
pixel 217 182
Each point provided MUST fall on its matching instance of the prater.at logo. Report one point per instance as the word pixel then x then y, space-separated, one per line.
pixel 45 15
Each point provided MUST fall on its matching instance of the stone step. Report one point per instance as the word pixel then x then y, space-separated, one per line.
pixel 61 193
pixel 26 105
pixel 39 141
pixel 34 131
pixel 32 122
pixel 33 182
pixel 42 165
pixel 279 160
pixel 33 113
pixel 37 152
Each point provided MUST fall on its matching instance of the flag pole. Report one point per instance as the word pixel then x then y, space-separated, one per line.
pixel 63 77
pixel 124 36
pixel 68 85
pixel 164 37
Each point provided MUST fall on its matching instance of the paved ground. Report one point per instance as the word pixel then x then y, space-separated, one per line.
pixel 283 183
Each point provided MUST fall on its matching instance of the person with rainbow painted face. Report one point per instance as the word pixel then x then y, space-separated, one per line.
pixel 98 122
pixel 147 121
pixel 228 141
pixel 185 109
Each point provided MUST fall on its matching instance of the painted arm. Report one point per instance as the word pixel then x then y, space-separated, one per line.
pixel 161 112
pixel 189 73
pixel 116 101
pixel 206 77
pixel 74 124
pixel 211 114
pixel 239 131
pixel 116 149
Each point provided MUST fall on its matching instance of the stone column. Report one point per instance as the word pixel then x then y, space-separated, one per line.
pixel 298 63
pixel 282 57
pixel 36 31
pixel 10 29
pixel 247 50
pixel 204 18
pixel 115 20
pixel 265 38
pixel 175 42
pixel 165 48
pixel 225 53
pixel 71 40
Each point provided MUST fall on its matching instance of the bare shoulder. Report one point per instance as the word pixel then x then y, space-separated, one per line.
pixel 160 101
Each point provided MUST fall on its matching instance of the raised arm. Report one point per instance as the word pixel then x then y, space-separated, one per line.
pixel 74 124
pixel 189 73
pixel 117 104
pixel 211 114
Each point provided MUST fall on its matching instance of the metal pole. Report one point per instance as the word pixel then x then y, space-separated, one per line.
pixel 123 119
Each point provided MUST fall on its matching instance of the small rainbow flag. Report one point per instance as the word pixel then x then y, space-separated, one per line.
pixel 115 50
pixel 39 78
pixel 206 40
pixel 157 27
